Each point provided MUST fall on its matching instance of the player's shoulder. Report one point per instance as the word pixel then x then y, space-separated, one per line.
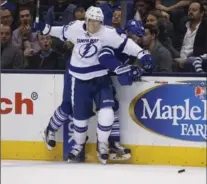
pixel 110 29
pixel 114 31
pixel 74 24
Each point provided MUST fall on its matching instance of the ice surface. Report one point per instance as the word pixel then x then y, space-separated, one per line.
pixel 28 172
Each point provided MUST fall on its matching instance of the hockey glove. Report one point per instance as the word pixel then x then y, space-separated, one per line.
pixel 146 60
pixel 128 74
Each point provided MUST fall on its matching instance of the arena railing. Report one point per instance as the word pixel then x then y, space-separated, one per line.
pixel 161 74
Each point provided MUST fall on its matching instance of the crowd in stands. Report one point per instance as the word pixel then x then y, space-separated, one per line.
pixel 175 32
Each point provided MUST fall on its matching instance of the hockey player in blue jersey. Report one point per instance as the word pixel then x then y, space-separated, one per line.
pixel 134 30
pixel 89 77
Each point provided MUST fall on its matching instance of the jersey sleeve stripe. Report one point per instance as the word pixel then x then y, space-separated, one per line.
pixel 64 27
pixel 122 46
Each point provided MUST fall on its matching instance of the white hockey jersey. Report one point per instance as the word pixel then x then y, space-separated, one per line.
pixel 84 63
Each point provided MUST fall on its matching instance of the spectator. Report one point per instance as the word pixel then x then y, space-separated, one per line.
pixel 116 18
pixel 195 39
pixel 108 8
pixel 84 3
pixel 174 5
pixel 162 57
pixel 79 13
pixel 46 58
pixel 30 4
pixel 165 27
pixel 143 7
pixel 60 14
pixel 98 3
pixel 7 5
pixel 11 57
pixel 24 32
pixel 6 18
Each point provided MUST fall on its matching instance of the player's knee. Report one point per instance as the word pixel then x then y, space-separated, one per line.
pixel 80 123
pixel 106 116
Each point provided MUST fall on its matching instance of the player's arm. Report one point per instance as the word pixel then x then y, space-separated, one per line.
pixel 129 47
pixel 64 33
pixel 126 73
pixel 55 31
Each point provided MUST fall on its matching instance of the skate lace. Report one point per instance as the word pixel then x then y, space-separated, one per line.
pixel 77 149
pixel 103 148
pixel 51 135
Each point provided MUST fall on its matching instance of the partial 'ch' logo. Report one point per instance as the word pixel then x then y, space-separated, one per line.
pixel 175 111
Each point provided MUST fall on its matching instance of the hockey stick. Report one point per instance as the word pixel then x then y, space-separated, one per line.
pixel 37 18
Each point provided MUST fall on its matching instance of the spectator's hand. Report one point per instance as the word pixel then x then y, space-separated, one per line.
pixel 165 15
pixel 162 8
pixel 68 45
pixel 28 52
pixel 25 31
pixel 180 61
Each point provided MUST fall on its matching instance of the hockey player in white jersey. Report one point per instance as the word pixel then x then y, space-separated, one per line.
pixel 90 78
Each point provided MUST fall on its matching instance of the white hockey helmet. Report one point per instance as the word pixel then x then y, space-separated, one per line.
pixel 94 13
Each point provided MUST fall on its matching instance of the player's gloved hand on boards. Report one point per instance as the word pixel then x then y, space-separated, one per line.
pixel 46 29
pixel 146 60
pixel 127 74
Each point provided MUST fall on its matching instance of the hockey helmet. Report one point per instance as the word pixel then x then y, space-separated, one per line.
pixel 94 13
pixel 136 27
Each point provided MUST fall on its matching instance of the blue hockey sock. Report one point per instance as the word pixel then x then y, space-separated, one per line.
pixel 115 132
pixel 58 119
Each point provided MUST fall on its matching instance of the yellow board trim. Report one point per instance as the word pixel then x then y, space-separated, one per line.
pixel 144 155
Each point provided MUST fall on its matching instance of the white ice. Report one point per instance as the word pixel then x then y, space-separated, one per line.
pixel 28 172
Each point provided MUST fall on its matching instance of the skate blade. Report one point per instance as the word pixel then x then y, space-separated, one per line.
pixel 71 161
pixel 101 160
pixel 74 161
pixel 117 157
pixel 44 139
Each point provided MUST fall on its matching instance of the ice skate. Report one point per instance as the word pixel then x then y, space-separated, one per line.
pixel 118 152
pixel 49 138
pixel 77 153
pixel 102 152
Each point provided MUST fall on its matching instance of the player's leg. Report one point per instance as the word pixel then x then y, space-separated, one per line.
pixel 117 151
pixel 105 103
pixel 82 105
pixel 60 116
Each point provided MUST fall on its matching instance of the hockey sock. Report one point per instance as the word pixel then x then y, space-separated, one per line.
pixel 115 131
pixel 58 119
pixel 80 131
pixel 105 119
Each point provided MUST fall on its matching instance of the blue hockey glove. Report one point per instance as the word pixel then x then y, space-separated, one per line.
pixel 136 72
pixel 128 74
pixel 38 27
pixel 146 60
